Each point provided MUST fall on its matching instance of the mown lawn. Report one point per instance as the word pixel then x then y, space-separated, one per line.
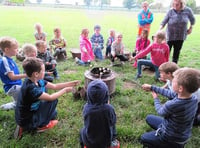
pixel 130 102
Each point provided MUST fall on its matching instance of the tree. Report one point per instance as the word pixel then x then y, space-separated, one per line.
pixel 191 4
pixel 128 3
pixel 57 1
pixel 104 2
pixel 39 1
pixel 88 2
pixel 140 1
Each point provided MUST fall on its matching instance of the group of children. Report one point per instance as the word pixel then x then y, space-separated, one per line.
pixel 35 109
pixel 91 49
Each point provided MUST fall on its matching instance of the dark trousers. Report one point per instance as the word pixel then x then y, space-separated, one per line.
pixel 108 50
pixel 154 139
pixel 177 45
pixel 49 68
pixel 121 57
pixel 43 115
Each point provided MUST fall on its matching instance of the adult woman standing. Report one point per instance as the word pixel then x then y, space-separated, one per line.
pixel 177 30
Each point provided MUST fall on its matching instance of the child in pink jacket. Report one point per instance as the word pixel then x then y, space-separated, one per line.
pixel 87 54
pixel 159 54
pixel 141 44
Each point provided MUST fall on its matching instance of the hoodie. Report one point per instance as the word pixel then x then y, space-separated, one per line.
pixel 99 117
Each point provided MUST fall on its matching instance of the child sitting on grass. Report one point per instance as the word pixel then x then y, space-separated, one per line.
pixel 166 75
pixel 39 34
pixel 30 50
pixel 173 129
pixel 36 109
pixel 99 118
pixel 159 54
pixel 49 61
pixel 117 50
pixel 97 42
pixel 58 45
pixel 87 54
pixel 9 72
pixel 141 44
pixel 109 42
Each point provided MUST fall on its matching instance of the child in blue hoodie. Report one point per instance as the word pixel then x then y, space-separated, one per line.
pixel 99 118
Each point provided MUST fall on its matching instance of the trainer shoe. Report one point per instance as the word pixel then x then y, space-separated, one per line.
pixel 115 144
pixel 76 59
pixel 18 132
pixel 8 106
pixel 138 76
pixel 50 125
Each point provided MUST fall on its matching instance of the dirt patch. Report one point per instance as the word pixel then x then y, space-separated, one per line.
pixel 70 71
pixel 129 85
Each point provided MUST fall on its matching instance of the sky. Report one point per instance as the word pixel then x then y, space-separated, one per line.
pixel 113 2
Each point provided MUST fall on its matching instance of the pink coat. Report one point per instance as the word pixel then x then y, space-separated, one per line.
pixel 85 43
pixel 159 53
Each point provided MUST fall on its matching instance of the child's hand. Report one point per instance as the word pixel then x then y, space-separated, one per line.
pixel 131 59
pixel 76 82
pixel 146 87
pixel 68 89
pixel 155 95
pixel 53 66
pixel 49 72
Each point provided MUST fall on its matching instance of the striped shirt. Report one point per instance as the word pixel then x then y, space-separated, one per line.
pixel 178 115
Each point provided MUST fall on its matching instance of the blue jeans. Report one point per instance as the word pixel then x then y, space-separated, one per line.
pixel 45 113
pixel 14 91
pixel 153 139
pixel 80 62
pixel 98 53
pixel 141 62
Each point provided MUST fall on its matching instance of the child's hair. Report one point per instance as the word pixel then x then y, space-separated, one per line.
pixel 39 43
pixel 189 78
pixel 31 65
pixel 38 25
pixel 168 67
pixel 7 42
pixel 112 31
pixel 97 27
pixel 161 35
pixel 84 31
pixel 119 35
pixel 145 31
pixel 28 49
pixel 56 29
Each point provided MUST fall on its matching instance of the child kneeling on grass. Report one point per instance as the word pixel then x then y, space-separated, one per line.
pixel 166 74
pixel 99 118
pixel 36 110
pixel 174 128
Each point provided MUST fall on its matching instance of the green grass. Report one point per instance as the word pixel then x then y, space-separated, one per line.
pixel 131 103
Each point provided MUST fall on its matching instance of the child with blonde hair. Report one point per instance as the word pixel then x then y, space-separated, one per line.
pixel 166 75
pixel 87 54
pixel 49 61
pixel 29 50
pixel 58 45
pixel 159 54
pixel 117 49
pixel 39 34
pixel 110 40
pixel 173 129
pixel 9 72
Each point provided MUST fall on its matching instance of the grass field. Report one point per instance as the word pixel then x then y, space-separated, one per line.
pixel 130 102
